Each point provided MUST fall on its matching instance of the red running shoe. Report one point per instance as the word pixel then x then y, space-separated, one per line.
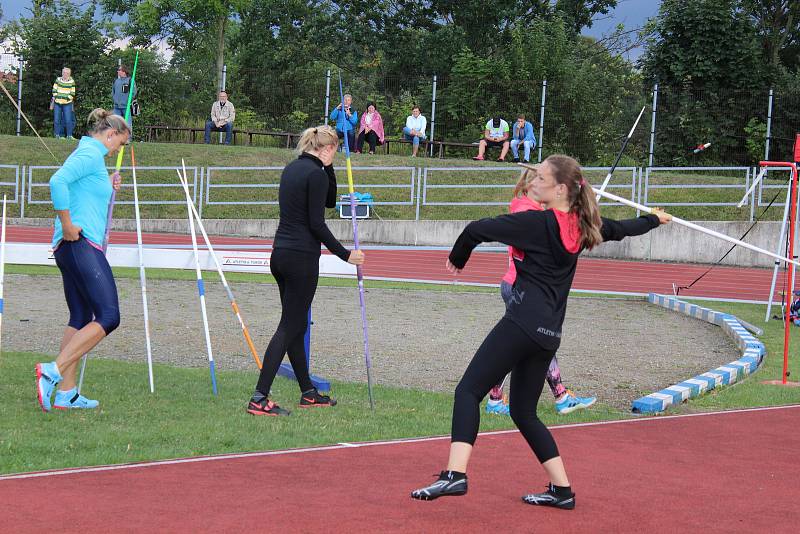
pixel 265 407
pixel 313 398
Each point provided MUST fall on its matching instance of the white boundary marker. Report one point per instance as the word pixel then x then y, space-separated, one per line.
pixel 339 446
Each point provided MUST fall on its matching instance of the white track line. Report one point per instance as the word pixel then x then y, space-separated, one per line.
pixel 119 467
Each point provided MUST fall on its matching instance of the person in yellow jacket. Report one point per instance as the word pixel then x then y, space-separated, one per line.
pixel 62 105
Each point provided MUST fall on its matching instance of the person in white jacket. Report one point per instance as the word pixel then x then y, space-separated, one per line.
pixel 415 129
pixel 222 116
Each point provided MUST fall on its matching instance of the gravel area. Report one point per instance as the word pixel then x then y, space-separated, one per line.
pixel 615 349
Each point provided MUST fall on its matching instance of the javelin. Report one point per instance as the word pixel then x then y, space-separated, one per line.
pixel 121 150
pixel 235 306
pixel 755 183
pixel 110 216
pixel 142 277
pixel 2 258
pixel 359 273
pixel 697 227
pixel 201 290
pixel 29 122
pixel 619 155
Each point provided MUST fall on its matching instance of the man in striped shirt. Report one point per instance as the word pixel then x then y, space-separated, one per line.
pixel 62 105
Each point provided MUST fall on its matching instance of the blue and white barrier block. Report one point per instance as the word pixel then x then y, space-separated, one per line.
pixel 753 352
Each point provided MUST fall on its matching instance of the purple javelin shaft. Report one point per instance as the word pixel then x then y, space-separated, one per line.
pixel 359 272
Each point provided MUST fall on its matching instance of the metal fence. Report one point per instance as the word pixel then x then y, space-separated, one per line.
pixel 743 126
pixel 169 193
pixel 420 188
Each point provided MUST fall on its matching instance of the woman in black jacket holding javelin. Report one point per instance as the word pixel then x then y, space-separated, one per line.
pixel 547 244
pixel 308 186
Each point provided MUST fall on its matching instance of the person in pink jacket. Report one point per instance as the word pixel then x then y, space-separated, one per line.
pixel 566 401
pixel 371 129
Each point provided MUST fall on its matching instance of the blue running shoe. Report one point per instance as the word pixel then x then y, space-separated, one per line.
pixel 497 407
pixel 68 400
pixel 569 403
pixel 47 378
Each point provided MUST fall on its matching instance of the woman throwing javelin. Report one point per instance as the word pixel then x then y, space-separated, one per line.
pixel 524 341
pixel 566 401
pixel 81 192
pixel 308 186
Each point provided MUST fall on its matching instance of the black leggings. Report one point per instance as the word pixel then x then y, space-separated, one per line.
pixel 506 348
pixel 297 274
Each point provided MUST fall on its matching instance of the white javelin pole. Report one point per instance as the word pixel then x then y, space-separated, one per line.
pixel 201 290
pixel 142 277
pixel 2 260
pixel 231 298
pixel 697 227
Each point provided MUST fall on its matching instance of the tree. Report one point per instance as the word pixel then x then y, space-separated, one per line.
pixel 57 35
pixel 778 25
pixel 187 25
pixel 707 61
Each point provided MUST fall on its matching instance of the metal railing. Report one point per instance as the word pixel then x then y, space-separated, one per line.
pixel 194 172
pixel 421 187
pixel 17 171
pixel 409 184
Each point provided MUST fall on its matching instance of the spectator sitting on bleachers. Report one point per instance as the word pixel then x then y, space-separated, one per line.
pixel 495 134
pixel 523 133
pixel 346 121
pixel 222 116
pixel 371 129
pixel 415 129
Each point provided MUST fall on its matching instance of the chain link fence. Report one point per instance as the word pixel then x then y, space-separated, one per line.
pixel 742 126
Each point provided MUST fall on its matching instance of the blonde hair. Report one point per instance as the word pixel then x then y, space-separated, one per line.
pixel 106 120
pixel 526 178
pixel 582 200
pixel 316 138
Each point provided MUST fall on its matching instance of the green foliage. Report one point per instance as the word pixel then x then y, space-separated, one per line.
pixel 706 59
pixel 59 35
pixel 756 136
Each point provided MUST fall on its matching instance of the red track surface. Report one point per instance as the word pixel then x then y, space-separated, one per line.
pixel 489 267
pixel 725 472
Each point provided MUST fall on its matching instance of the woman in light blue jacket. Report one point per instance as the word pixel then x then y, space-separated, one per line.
pixel 81 192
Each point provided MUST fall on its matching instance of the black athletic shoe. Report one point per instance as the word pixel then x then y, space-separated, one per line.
pixel 313 398
pixel 446 484
pixel 550 498
pixel 265 407
pixel 516 160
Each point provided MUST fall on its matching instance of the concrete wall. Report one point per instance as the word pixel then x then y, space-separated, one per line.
pixel 668 243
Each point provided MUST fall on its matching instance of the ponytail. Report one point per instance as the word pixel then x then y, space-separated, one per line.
pixel 106 120
pixel 526 178
pixel 314 139
pixel 582 200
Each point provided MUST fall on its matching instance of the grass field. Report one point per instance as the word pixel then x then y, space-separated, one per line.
pixel 182 418
pixel 385 185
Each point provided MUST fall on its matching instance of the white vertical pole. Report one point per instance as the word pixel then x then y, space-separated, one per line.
pixel 224 82
pixel 327 95
pixel 653 126
pixel 541 119
pixel 19 96
pixel 433 114
pixel 769 127
pixel 781 247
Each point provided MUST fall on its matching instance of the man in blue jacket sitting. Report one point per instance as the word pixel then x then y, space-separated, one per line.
pixel 523 133
pixel 346 121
